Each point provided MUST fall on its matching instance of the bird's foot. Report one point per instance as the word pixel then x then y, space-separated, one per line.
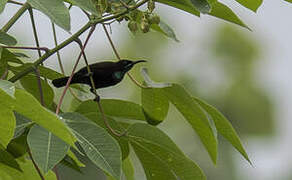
pixel 90 74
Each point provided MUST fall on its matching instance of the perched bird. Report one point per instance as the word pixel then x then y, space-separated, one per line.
pixel 104 74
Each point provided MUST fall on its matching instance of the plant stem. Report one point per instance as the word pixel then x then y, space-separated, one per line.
pixel 26 47
pixel 15 2
pixel 4 75
pixel 60 61
pixel 16 16
pixel 36 166
pixel 72 38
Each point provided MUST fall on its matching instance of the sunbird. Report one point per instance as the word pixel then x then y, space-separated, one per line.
pixel 104 74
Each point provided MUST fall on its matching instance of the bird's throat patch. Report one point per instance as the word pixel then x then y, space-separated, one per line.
pixel 118 75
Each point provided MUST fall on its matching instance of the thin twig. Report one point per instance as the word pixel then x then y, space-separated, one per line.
pixel 111 42
pixel 26 48
pixel 15 2
pixel 37 71
pixel 35 165
pixel 35 31
pixel 119 58
pixel 4 75
pixel 60 61
pixel 73 71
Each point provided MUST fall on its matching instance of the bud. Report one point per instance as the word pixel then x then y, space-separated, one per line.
pixel 155 19
pixel 145 26
pixel 151 5
pixel 133 27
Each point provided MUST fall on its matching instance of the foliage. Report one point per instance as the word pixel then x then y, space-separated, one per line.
pixel 30 128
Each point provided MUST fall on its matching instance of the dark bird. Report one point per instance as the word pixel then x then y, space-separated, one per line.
pixel 104 74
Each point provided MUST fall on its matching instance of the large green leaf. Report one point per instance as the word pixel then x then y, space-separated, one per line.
pixel 6 38
pixel 165 29
pixel 128 169
pixel 96 117
pixel 8 56
pixel 202 5
pixel 6 159
pixel 21 124
pixel 155 105
pixel 7 124
pixel 7 119
pixel 224 127
pixel 87 5
pixel 55 10
pixel 2 5
pixel 115 108
pixel 194 114
pixel 101 148
pixel 47 149
pixel 25 104
pixel 222 11
pixel 251 4
pixel 184 5
pixel 30 84
pixel 160 157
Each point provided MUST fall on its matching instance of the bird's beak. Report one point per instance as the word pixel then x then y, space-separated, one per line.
pixel 135 62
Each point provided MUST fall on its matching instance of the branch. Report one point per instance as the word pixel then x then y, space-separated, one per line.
pixel 35 165
pixel 4 75
pixel 15 2
pixel 26 48
pixel 16 16
pixel 72 38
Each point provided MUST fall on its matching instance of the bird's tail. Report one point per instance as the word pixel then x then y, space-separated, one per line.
pixel 60 82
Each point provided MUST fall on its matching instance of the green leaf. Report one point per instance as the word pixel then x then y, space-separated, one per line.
pixel 7 125
pixel 149 82
pixel 184 5
pixel 128 169
pixel 7 119
pixel 221 11
pixel 8 56
pixel 114 107
pixel 202 5
pixel 102 149
pixel 7 87
pixel 55 10
pixel 165 29
pixel 2 5
pixel 160 157
pixel 7 159
pixel 18 146
pixel 224 127
pixel 47 149
pixel 251 4
pixel 29 107
pixel 96 117
pixel 6 38
pixel 86 5
pixel 29 172
pixel 194 114
pixel 30 84
pixel 75 159
pixel 155 105
pixel 21 124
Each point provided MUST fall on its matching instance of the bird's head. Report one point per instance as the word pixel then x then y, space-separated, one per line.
pixel 127 64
